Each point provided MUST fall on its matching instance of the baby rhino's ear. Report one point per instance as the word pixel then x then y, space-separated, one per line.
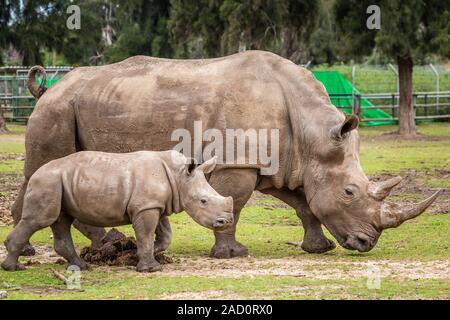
pixel 208 166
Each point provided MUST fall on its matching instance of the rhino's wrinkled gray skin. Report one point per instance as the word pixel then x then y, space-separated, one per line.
pixel 136 104
pixel 106 190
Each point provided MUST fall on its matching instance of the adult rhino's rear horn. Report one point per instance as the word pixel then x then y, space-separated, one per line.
pixel 380 190
pixel 393 215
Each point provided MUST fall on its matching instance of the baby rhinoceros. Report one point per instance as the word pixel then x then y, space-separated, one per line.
pixel 106 190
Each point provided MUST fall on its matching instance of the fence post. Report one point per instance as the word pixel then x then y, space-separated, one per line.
pixel 414 105
pixel 353 89
pixel 357 109
pixel 393 105
pixel 436 73
pixel 394 70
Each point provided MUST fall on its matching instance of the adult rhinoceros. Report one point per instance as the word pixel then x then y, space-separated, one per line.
pixel 136 104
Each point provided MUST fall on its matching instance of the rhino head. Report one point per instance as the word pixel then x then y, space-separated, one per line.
pixel 200 200
pixel 340 195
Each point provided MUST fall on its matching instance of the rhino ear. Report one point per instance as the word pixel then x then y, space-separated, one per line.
pixel 350 123
pixel 208 166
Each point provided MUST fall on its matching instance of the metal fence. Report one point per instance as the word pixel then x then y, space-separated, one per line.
pixel 16 103
pixel 427 105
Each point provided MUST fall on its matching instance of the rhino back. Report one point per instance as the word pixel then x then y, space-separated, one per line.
pixel 103 189
pixel 138 103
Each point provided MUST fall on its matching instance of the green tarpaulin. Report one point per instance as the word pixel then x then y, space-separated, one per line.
pixel 336 83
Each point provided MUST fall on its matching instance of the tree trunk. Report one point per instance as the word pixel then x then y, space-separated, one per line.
pixel 3 128
pixel 407 124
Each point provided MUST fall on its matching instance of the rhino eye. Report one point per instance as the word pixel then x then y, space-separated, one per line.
pixel 349 192
pixel 204 201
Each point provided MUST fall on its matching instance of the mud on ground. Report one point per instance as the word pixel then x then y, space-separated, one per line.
pixel 9 187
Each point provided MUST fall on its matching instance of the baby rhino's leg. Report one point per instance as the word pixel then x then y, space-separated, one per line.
pixel 16 241
pixel 163 235
pixel 144 224
pixel 63 242
pixel 41 208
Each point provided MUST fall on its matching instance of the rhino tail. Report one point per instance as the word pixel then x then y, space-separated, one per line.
pixel 36 90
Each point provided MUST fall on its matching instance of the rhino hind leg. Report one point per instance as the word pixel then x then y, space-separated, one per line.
pixel 15 243
pixel 41 209
pixel 239 184
pixel 51 134
pixel 16 212
pixel 63 242
pixel 95 234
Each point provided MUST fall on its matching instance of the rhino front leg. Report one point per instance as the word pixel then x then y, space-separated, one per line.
pixel 163 235
pixel 239 184
pixel 144 225
pixel 314 241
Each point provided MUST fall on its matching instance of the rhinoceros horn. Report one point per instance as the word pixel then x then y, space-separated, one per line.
pixel 380 190
pixel 393 215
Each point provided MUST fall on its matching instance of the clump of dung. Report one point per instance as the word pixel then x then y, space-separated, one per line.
pixel 116 250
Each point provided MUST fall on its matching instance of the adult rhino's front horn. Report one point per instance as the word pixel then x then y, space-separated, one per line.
pixel 391 214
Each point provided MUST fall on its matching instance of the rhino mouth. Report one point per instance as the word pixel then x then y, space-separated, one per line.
pixel 223 222
pixel 360 242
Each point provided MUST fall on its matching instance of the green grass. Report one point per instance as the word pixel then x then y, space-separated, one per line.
pixel 395 156
pixel 265 229
pixel 16 128
pixel 13 142
pixel 38 283
pixel 432 129
pixel 11 166
pixel 430 152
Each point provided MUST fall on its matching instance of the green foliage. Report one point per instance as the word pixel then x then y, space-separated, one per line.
pixel 210 28
pixel 141 28
pixel 301 30
pixel 324 41
pixel 414 28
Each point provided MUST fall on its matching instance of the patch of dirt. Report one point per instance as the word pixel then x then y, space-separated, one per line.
pixel 44 254
pixel 117 250
pixel 308 268
pixel 9 187
pixel 314 292
pixel 202 295
pixel 7 157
